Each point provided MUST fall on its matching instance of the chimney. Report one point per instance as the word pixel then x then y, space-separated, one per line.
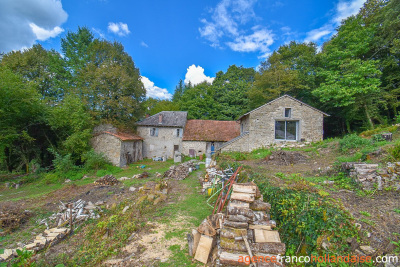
pixel 160 119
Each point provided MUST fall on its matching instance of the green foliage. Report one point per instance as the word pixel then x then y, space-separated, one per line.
pixel 395 151
pixel 365 213
pixel 94 161
pixel 305 220
pixel 260 153
pixel 62 163
pixel 24 259
pixel 352 141
pixel 379 129
pixel 109 169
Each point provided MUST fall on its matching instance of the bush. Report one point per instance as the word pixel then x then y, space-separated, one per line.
pixel 306 220
pixel 352 141
pixel 94 161
pixel 51 178
pixel 395 151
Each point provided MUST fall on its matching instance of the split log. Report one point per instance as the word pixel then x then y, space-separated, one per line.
pixel 242 188
pixel 215 220
pixel 238 218
pixel 241 211
pixel 241 225
pixel 231 233
pixel 243 197
pixel 260 216
pixel 232 259
pixel 263 236
pixel 270 223
pixel 232 244
pixel 260 205
pixel 269 247
pixel 238 204
pixel 204 248
pixel 193 241
pixel 206 229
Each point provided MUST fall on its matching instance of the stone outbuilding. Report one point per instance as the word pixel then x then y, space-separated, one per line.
pixel 120 148
pixel 284 119
pixel 162 133
pixel 206 136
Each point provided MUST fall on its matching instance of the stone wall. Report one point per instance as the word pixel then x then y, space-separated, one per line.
pixel 240 143
pixel 109 145
pixel 199 146
pixel 131 151
pixel 161 145
pixel 372 176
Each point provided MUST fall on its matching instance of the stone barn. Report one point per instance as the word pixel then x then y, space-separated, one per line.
pixel 207 136
pixel 121 149
pixel 284 119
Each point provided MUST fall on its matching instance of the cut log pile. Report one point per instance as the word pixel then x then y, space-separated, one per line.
pixel 244 230
pixel 106 180
pixel 179 172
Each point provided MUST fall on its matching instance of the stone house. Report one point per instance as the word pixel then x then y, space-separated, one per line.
pixel 120 148
pixel 206 136
pixel 162 133
pixel 284 119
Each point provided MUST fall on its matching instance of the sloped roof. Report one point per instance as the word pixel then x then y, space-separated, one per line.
pixel 284 96
pixel 125 136
pixel 209 130
pixel 169 118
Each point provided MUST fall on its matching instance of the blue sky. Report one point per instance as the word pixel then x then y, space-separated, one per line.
pixel 172 40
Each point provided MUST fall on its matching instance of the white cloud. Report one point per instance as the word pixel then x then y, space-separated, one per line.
pixel 259 40
pixel 196 75
pixel 154 91
pixel 119 28
pixel 343 10
pixel 144 44
pixel 25 21
pixel 226 19
pixel 43 34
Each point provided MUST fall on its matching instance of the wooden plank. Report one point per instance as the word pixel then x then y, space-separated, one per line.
pixel 243 197
pixel 193 241
pixel 262 236
pixel 203 249
pixel 240 188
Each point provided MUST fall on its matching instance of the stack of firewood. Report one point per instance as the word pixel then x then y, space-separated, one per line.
pixel 244 230
pixel 179 172
pixel 106 180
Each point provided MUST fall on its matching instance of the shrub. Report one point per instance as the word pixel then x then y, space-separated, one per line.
pixel 306 219
pixel 62 163
pixel 94 161
pixel 395 151
pixel 51 178
pixel 352 141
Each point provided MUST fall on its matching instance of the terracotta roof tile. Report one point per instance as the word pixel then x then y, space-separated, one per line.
pixel 208 130
pixel 125 136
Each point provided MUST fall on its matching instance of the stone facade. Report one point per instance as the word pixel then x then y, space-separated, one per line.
pixel 200 147
pixel 163 142
pixel 284 119
pixel 120 152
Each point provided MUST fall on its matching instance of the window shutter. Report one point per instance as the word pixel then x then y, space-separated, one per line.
pixel 156 132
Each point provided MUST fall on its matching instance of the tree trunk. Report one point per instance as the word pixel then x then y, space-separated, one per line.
pixel 369 120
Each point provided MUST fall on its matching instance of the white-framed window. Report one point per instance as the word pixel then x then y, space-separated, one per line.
pixel 179 132
pixel 286 130
pixel 154 132
pixel 288 112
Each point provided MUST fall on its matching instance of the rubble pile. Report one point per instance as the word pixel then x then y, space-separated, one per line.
pixel 81 211
pixel 286 158
pixel 48 238
pixel 106 180
pixel 179 172
pixel 244 230
pixel 371 176
pixel 141 175
pixel 153 192
pixel 214 176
